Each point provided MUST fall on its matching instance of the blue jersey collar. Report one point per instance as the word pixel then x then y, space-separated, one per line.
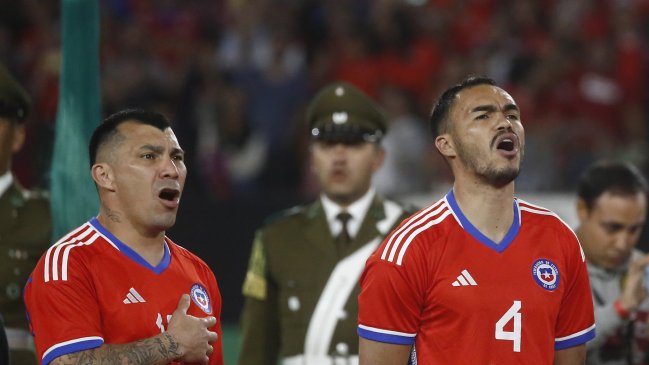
pixel 130 253
pixel 475 233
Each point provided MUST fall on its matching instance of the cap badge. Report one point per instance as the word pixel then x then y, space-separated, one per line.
pixel 340 117
pixel 340 91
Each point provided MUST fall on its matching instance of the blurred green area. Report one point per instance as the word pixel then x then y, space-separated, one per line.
pixel 231 342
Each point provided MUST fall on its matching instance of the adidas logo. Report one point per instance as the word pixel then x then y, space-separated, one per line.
pixel 133 297
pixel 464 279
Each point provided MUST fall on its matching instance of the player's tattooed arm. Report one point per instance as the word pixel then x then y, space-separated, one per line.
pixel 187 339
pixel 156 350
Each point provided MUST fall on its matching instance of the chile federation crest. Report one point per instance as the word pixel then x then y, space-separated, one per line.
pixel 546 274
pixel 201 298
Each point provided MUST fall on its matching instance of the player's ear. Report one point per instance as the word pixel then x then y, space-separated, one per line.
pixel 18 138
pixel 103 175
pixel 445 145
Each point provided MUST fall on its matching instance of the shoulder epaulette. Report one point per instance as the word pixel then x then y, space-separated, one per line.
pixel 36 194
pixel 409 208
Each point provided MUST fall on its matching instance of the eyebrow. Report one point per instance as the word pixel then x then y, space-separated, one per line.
pixel 160 149
pixel 491 108
pixel 621 225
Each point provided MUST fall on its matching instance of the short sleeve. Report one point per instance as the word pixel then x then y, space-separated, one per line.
pixel 63 311
pixel 575 322
pixel 217 356
pixel 391 299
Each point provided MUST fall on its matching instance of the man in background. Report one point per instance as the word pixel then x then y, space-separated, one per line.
pixel 611 208
pixel 302 281
pixel 25 225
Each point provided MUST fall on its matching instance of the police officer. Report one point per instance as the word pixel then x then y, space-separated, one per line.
pixel 25 224
pixel 302 280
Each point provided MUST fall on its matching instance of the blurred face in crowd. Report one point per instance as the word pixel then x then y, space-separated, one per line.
pixel 345 171
pixel 486 135
pixel 610 230
pixel 12 137
pixel 146 175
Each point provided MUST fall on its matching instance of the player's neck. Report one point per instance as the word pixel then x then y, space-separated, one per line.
pixel 146 243
pixel 488 208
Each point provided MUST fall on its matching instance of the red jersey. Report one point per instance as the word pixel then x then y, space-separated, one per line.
pixel 90 288
pixel 439 284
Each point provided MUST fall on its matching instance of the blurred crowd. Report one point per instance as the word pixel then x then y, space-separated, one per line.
pixel 235 77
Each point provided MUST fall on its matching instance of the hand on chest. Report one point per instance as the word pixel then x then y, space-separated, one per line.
pixel 146 306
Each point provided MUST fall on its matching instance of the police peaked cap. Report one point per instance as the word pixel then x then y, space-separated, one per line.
pixel 15 103
pixel 342 113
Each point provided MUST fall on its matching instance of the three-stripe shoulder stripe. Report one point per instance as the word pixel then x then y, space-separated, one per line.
pixel 534 208
pixel 402 237
pixel 60 251
pixel 525 206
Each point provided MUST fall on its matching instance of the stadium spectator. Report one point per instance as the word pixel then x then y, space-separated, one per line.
pixel 612 208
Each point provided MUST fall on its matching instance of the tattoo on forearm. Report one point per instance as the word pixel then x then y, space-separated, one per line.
pixel 152 351
pixel 172 348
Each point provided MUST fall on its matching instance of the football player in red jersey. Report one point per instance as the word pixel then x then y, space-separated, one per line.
pixel 117 290
pixel 478 277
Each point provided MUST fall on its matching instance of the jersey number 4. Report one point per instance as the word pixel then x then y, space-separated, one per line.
pixel 513 313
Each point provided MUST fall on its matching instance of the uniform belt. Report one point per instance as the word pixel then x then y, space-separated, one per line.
pixel 320 360
pixel 19 339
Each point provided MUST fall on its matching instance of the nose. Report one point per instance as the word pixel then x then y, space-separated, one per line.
pixel 503 122
pixel 623 242
pixel 340 150
pixel 170 168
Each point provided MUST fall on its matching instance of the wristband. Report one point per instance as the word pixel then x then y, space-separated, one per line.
pixel 619 309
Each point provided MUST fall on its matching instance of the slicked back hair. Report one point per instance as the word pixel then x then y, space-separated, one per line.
pixel 439 123
pixel 107 129
pixel 619 178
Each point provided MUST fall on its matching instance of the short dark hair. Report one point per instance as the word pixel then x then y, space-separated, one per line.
pixel 439 114
pixel 619 178
pixel 107 129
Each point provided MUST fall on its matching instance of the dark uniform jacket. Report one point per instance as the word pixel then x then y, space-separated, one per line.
pixel 4 351
pixel 296 266
pixel 25 229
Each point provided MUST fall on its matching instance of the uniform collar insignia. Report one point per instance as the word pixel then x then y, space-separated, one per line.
pixel 377 211
pixel 15 194
pixel 315 210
